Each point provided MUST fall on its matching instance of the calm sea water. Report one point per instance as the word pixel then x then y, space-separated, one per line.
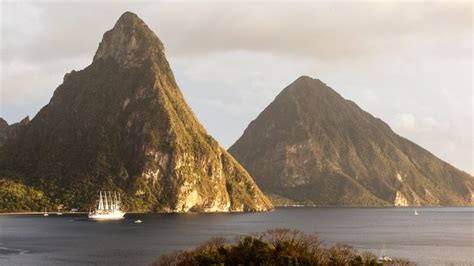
pixel 435 236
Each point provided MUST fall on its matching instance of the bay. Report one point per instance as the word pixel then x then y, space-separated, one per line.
pixel 437 236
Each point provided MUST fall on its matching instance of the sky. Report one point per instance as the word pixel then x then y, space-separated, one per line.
pixel 409 63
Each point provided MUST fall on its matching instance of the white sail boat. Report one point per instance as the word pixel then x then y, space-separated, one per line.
pixel 416 213
pixel 108 207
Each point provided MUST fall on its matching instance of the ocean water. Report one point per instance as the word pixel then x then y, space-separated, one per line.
pixel 437 236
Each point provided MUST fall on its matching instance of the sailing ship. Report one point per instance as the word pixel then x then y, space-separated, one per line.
pixel 108 207
pixel 416 213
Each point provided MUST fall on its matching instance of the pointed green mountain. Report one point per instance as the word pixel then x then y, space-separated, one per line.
pixel 122 124
pixel 312 146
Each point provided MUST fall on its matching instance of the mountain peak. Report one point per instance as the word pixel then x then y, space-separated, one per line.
pixel 131 21
pixel 129 17
pixel 306 89
pixel 307 79
pixel 130 42
pixel 25 120
pixel 304 83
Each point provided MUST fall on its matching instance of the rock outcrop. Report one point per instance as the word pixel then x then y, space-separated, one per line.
pixel 11 131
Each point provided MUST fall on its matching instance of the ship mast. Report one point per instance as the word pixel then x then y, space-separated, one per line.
pixel 110 201
pixel 106 201
pixel 115 199
pixel 119 200
pixel 101 203
pixel 112 204
pixel 111 207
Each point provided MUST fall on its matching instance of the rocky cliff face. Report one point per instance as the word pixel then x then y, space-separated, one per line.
pixel 123 124
pixel 11 131
pixel 312 146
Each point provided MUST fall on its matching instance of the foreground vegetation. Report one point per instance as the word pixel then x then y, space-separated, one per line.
pixel 273 247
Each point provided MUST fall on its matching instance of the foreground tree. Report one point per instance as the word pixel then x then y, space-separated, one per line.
pixel 279 246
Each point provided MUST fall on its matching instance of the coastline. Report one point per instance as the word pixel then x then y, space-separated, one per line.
pixel 55 213
pixel 371 207
pixel 279 207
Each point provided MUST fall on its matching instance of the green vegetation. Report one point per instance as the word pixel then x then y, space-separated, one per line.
pixel 16 197
pixel 273 247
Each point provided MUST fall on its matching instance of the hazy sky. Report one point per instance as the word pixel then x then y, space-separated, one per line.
pixel 409 63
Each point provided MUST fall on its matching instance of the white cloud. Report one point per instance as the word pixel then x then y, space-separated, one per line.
pixel 409 63
pixel 226 98
pixel 405 121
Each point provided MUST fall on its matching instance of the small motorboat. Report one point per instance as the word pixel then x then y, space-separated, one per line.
pixel 138 221
pixel 385 259
pixel 382 257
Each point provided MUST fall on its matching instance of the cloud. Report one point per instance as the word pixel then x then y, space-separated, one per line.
pixel 229 89
pixel 405 121
pixel 324 30
pixel 409 63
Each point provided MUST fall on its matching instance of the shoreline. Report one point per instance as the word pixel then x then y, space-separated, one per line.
pixel 55 213
pixel 279 207
pixel 369 207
